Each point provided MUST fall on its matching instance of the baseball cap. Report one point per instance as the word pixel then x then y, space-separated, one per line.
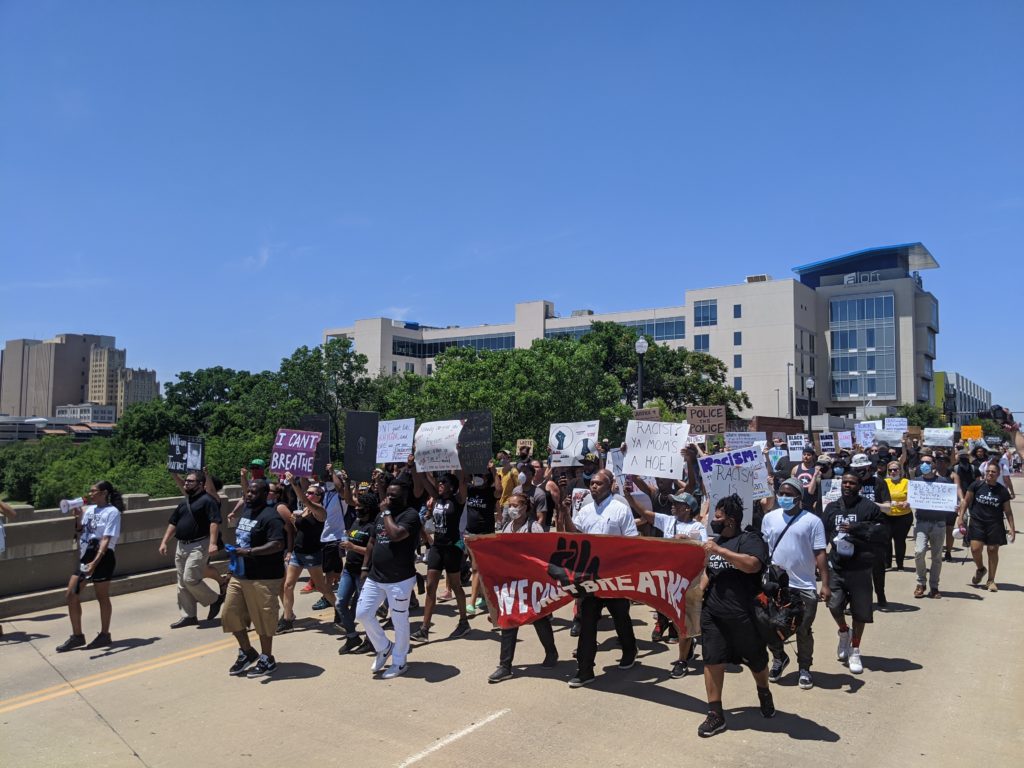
pixel 824 459
pixel 860 460
pixel 685 498
pixel 591 457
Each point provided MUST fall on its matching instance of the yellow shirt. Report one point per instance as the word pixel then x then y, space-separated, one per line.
pixel 898 492
pixel 508 479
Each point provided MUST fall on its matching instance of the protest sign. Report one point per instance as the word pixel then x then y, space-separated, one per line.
pixel 896 425
pixel 892 437
pixel 844 440
pixel 741 472
pixel 570 442
pixel 529 576
pixel 614 461
pixel 185 453
pixel 436 446
pixel 940 497
pixel 735 441
pixel 914 432
pixel 831 490
pixel 580 496
pixel 476 441
pixel 774 454
pixel 970 432
pixel 524 442
pixel 695 439
pixel 319 422
pixel 361 428
pixel 938 436
pixel 865 431
pixel 294 451
pixel 796 441
pixel 827 442
pixel 647 414
pixel 394 440
pixel 779 436
pixel 706 419
pixel 654 448
pixel 796 455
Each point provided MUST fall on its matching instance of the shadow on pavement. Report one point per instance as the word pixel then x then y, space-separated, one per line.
pixel 961 595
pixel 881 664
pixel 44 617
pixel 431 671
pixel 642 682
pixel 13 638
pixel 120 646
pixel 794 726
pixel 828 681
pixel 293 670
pixel 898 608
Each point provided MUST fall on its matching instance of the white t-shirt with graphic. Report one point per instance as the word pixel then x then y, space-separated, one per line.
pixel 671 527
pixel 98 522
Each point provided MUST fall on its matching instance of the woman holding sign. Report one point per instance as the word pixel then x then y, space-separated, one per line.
pixel 891 498
pixel 307 552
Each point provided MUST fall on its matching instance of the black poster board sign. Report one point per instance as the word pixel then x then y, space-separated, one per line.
pixel 185 453
pixel 360 444
pixel 475 442
pixel 319 422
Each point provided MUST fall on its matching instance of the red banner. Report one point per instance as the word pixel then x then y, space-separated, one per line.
pixel 529 575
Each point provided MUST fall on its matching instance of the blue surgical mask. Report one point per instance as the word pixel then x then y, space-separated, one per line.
pixel 925 468
pixel 786 503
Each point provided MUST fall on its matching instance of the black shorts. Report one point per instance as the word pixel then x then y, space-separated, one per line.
pixel 332 557
pixel 733 640
pixel 852 588
pixel 992 534
pixel 104 568
pixel 444 557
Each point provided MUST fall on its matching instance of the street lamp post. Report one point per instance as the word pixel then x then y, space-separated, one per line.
pixel 810 393
pixel 778 408
pixel 789 391
pixel 641 349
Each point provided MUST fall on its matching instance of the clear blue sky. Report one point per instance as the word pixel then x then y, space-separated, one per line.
pixel 216 183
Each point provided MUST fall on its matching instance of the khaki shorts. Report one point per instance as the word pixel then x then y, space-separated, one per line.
pixel 251 601
pixel 694 599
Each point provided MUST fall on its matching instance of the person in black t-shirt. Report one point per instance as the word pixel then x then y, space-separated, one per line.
pixel 988 501
pixel 367 507
pixel 194 523
pixel 731 582
pixel 257 570
pixel 307 551
pixel 446 549
pixel 482 495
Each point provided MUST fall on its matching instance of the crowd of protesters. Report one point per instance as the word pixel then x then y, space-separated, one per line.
pixel 362 545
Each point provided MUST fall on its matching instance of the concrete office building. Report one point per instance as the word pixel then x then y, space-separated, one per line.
pixel 105 363
pixel 861 325
pixel 135 385
pixel 88 412
pixel 960 396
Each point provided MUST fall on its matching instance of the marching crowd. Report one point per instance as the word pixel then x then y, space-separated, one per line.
pixel 361 544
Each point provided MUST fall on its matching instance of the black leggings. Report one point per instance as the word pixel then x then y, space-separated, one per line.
pixel 899 527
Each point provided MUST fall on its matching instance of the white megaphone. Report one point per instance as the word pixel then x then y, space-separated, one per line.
pixel 66 505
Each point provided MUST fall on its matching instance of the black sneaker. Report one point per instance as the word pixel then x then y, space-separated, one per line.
pixel 673 635
pixel 215 607
pixel 779 665
pixel 102 640
pixel 461 628
pixel 75 641
pixel 186 621
pixel 767 703
pixel 500 674
pixel 421 635
pixel 264 665
pixel 574 630
pixel 352 644
pixel 244 660
pixel 714 723
pixel 550 660
pixel 579 680
pixel 627 662
pixel 366 647
pixel 322 604
pixel 285 625
pixel 680 669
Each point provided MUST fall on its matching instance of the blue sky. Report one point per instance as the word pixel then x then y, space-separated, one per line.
pixel 216 183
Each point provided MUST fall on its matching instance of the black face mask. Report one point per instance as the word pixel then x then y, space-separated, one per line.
pixel 717 526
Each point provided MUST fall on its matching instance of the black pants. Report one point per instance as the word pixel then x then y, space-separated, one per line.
pixel 590 612
pixel 545 634
pixel 899 527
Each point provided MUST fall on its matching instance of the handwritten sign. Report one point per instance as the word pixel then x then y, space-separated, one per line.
pixel 865 431
pixel 294 451
pixel 971 432
pixel 845 440
pixel 361 430
pixel 654 448
pixel 437 446
pixel 938 436
pixel 696 439
pixel 394 440
pixel 185 453
pixel 741 472
pixel 735 441
pixel 569 442
pixel 706 419
pixel 890 436
pixel 615 461
pixel 940 497
pixel 647 414
pixel 831 490
pixel 827 442
pixel 896 425
pixel 524 442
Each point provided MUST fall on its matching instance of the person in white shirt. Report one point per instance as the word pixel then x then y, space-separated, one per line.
pixel 603 514
pixel 796 543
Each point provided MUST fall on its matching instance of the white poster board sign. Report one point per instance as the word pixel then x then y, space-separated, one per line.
pixel 437 446
pixel 940 497
pixel 735 441
pixel 844 440
pixel 654 448
pixel 614 461
pixel 831 490
pixel 890 436
pixel 896 425
pixel 395 440
pixel 941 436
pixel 796 441
pixel 741 472
pixel 569 442
pixel 696 439
pixel 865 431
pixel 827 442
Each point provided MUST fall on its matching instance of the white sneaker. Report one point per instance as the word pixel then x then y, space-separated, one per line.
pixel 843 651
pixel 856 666
pixel 381 660
pixel 394 671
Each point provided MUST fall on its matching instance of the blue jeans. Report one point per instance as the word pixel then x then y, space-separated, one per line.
pixel 345 601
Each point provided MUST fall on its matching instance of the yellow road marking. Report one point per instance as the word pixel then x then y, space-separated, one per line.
pixel 110 676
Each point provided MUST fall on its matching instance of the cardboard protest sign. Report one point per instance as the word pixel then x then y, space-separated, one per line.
pixel 294 451
pixel 570 442
pixel 844 440
pixel 529 576
pixel 896 425
pixel 654 448
pixel 706 419
pixel 735 441
pixel 321 423
pixel 914 432
pixel 615 461
pixel 185 453
pixel 741 472
pixel 827 442
pixel 524 442
pixel 437 446
pixel 971 432
pixel 394 440
pixel 940 497
pixel 941 436
pixel 361 429
pixel 865 431
pixel 476 441
pixel 647 414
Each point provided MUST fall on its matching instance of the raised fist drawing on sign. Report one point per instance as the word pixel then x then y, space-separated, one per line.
pixel 571 563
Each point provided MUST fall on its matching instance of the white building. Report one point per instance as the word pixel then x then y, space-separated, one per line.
pixel 860 326
pixel 88 412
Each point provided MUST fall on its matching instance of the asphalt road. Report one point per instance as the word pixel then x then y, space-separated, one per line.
pixel 943 683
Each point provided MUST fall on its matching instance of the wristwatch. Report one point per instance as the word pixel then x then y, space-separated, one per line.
pixel 387 513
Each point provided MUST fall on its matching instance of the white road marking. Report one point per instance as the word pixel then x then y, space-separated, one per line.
pixel 452 737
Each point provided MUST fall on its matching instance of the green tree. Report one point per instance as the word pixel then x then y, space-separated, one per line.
pixel 922 415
